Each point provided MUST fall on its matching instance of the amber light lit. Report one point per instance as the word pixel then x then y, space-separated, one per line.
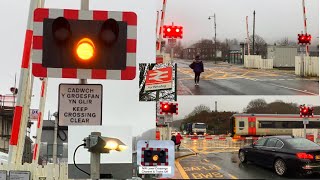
pixel 85 49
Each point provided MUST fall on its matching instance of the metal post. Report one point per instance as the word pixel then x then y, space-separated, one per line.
pixel 305 24
pixel 172 45
pixel 215 39
pixel 95 162
pixel 157 95
pixel 254 26
pixel 55 134
pixel 305 130
pixel 171 54
pixel 157 25
pixel 248 37
pixel 84 6
pixel 175 81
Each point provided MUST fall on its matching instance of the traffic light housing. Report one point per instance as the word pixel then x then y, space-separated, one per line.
pixel 100 144
pixel 306 111
pixel 168 108
pixel 14 90
pixel 84 44
pixel 175 32
pixel 154 157
pixel 304 39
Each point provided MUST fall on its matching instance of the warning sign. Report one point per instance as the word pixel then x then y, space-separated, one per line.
pixel 80 104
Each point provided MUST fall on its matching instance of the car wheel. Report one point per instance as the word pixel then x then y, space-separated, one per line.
pixel 280 167
pixel 242 157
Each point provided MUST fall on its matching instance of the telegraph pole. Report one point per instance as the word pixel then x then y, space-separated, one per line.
pixel 254 26
pixel 215 39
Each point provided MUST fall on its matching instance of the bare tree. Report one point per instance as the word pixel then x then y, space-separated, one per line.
pixel 199 109
pixel 256 106
pixel 285 42
pixel 260 46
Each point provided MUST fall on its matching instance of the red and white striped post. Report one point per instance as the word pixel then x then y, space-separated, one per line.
pixel 25 85
pixel 157 25
pixel 248 37
pixel 36 148
pixel 305 24
pixel 161 26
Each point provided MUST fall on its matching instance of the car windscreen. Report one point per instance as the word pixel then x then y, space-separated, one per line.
pixel 301 142
pixel 200 126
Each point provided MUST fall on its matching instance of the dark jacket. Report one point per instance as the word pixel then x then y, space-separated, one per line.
pixel 197 66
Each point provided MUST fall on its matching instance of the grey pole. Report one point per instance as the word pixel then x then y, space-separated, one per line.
pixel 95 162
pixel 84 6
pixel 55 134
pixel 215 39
pixel 254 27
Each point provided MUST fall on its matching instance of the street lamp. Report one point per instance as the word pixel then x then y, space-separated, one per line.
pixel 97 144
pixel 215 38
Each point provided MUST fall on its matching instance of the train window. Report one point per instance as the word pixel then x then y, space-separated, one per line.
pixel 266 124
pixel 241 124
pixel 271 142
pixel 313 124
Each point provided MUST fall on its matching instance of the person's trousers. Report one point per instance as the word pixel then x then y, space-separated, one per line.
pixel 196 77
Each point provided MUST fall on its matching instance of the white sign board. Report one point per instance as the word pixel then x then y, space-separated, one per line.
pixel 166 171
pixel 80 104
pixel 3 175
pixel 306 121
pixel 19 175
pixel 155 169
pixel 34 113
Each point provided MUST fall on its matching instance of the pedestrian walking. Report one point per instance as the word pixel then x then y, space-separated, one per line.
pixel 178 140
pixel 173 138
pixel 197 66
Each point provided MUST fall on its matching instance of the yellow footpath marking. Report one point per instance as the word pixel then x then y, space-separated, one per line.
pixel 180 168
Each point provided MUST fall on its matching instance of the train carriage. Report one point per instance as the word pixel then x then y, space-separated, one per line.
pixel 269 124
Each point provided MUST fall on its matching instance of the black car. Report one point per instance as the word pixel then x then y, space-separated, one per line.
pixel 285 154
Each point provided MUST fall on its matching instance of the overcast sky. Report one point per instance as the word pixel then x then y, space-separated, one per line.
pixel 235 103
pixel 275 19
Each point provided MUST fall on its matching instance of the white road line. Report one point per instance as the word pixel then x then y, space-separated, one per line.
pixel 185 88
pixel 303 91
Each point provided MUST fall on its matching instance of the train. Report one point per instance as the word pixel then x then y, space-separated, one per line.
pixel 244 125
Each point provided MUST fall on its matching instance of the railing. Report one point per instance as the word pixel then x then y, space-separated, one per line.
pixel 50 171
pixel 255 61
pixel 311 66
pixel 7 101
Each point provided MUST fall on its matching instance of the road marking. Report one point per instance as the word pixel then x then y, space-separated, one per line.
pixel 232 176
pixel 180 168
pixel 206 160
pixel 303 91
pixel 185 88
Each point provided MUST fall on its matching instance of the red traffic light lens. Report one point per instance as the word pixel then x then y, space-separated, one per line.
pixel 61 29
pixel 109 32
pixel 168 29
pixel 165 107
